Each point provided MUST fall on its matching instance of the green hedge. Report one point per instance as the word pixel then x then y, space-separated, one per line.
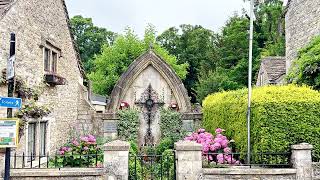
pixel 281 116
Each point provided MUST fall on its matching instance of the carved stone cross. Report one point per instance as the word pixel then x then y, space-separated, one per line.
pixel 149 101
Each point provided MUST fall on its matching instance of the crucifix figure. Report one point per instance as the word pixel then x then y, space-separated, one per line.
pixel 149 101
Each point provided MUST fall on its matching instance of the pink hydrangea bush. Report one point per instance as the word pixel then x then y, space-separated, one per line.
pixel 76 153
pixel 214 148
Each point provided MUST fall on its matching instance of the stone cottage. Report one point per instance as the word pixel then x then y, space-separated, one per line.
pixel 302 23
pixel 48 70
pixel 149 84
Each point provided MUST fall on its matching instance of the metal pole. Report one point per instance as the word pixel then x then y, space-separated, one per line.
pixel 250 80
pixel 9 110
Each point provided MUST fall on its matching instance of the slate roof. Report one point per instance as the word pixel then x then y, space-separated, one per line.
pixel 98 98
pixel 275 67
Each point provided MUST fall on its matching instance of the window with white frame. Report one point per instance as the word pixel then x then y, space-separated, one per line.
pixel 37 139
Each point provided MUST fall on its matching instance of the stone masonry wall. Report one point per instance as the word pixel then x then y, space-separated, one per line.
pixel 302 24
pixel 34 22
pixel 249 174
pixel 56 174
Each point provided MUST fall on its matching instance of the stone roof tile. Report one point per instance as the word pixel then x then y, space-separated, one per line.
pixel 275 67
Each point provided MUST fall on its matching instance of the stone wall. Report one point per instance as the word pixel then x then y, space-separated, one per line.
pixel 36 25
pixel 316 170
pixel 302 24
pixel 249 174
pixel 58 174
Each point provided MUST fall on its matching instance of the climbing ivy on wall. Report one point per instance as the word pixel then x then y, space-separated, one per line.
pixel 171 124
pixel 128 124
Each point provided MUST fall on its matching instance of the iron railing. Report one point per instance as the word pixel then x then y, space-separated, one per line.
pixel 31 161
pixel 151 166
pixel 266 160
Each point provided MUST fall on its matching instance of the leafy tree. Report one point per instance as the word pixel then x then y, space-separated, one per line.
pixel 89 39
pixel 195 45
pixel 270 23
pixel 231 70
pixel 115 59
pixel 306 68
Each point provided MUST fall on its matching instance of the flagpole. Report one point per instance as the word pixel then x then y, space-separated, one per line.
pixel 250 82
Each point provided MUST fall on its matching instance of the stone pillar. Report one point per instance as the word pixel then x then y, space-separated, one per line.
pixel 116 159
pixel 301 160
pixel 189 160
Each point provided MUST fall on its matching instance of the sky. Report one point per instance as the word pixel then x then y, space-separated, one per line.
pixel 116 15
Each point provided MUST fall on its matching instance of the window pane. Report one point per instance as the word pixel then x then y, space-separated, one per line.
pixel 43 136
pixel 54 62
pixel 46 59
pixel 31 139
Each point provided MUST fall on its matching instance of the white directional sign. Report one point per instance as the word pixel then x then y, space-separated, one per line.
pixel 10 67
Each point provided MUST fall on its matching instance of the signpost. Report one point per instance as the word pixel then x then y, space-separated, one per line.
pixel 9 129
pixel 10 67
pixel 10 102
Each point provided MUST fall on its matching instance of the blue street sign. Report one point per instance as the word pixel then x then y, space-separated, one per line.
pixel 10 102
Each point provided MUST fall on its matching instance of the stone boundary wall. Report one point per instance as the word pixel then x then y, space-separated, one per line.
pixel 58 174
pixel 316 170
pixel 241 173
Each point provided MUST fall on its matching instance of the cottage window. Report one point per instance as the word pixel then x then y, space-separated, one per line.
pixel 43 136
pixel 31 140
pixel 37 139
pixel 46 59
pixel 50 60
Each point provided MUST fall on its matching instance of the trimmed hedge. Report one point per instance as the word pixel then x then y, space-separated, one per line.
pixel 281 116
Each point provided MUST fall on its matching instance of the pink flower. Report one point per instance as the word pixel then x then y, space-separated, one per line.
pixel 75 142
pixel 64 148
pixel 85 148
pixel 219 130
pixel 201 130
pixel 205 148
pixel 91 138
pixel 227 150
pixel 69 149
pixel 188 138
pixel 224 143
pixel 217 140
pixel 217 146
pixel 84 138
pixel 220 158
pixel 61 152
pixel 212 148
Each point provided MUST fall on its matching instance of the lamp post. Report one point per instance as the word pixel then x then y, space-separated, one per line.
pixel 250 80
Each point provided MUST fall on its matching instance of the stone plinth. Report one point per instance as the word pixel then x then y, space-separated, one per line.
pixel 116 158
pixel 189 160
pixel 302 160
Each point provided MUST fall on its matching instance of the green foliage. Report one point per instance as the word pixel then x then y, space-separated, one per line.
pixel 195 46
pixel 82 152
pixel 89 39
pixel 128 124
pixel 171 125
pixel 165 144
pixel 270 25
pixel 115 59
pixel 231 69
pixel 281 116
pixel 306 68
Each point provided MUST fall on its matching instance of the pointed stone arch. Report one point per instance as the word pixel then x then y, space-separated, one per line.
pixel 139 65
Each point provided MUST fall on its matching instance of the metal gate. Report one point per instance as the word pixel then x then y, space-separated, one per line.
pixel 152 166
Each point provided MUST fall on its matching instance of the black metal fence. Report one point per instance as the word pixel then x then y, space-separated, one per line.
pixel 31 161
pixel 152 167
pixel 266 160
